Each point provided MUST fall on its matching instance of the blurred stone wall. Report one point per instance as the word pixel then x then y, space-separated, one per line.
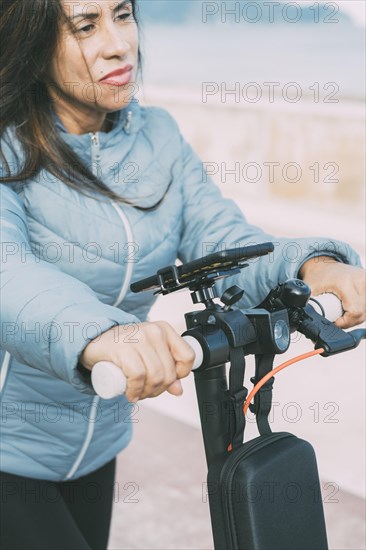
pixel 308 151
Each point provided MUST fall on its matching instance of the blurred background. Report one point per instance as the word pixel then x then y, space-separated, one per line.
pixel 271 95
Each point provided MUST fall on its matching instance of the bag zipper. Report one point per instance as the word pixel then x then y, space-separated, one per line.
pixel 228 471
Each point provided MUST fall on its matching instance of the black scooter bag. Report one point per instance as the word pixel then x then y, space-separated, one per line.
pixel 265 495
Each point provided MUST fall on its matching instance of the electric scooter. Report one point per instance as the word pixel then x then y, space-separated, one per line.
pixel 220 334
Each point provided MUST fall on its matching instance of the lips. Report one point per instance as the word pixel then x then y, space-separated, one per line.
pixel 117 73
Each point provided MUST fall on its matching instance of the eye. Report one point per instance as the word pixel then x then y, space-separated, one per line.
pixel 125 15
pixel 122 17
pixel 85 29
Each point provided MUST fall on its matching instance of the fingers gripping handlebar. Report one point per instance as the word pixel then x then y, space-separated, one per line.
pixel 109 381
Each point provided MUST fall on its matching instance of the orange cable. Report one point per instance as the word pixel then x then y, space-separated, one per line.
pixel 269 375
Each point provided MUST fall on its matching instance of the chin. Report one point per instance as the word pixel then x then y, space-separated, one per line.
pixel 119 99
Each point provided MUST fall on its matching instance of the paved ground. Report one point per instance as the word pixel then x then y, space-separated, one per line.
pixel 160 499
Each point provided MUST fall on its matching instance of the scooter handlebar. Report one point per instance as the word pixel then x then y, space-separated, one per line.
pixel 109 381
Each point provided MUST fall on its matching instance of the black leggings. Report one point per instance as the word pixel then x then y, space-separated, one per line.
pixel 48 515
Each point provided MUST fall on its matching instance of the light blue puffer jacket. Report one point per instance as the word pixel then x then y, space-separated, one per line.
pixel 66 265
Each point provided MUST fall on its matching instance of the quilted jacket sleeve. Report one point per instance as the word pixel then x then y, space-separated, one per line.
pixel 212 222
pixel 47 316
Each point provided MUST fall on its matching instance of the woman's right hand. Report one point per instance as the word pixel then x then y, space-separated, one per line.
pixel 153 356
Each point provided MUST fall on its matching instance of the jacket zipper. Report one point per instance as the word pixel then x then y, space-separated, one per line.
pixel 95 153
pixel 4 370
pixel 127 125
pixel 128 228
pixel 129 234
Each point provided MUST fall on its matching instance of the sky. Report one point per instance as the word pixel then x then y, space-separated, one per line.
pixel 355 8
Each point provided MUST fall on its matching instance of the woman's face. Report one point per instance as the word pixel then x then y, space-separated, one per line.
pixel 106 34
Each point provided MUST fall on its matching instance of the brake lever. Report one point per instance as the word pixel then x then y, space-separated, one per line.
pixel 326 334
pixel 294 296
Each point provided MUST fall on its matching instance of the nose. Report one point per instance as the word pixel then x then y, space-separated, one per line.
pixel 115 43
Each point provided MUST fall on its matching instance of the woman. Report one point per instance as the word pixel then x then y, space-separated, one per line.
pixel 98 191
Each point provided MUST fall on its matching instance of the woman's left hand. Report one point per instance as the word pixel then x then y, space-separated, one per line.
pixel 324 274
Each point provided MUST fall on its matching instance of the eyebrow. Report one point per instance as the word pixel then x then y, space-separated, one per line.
pixel 96 15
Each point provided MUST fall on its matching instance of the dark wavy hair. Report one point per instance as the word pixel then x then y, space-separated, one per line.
pixel 29 36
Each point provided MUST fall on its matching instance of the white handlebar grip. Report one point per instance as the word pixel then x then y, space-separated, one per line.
pixel 196 346
pixel 331 304
pixel 109 381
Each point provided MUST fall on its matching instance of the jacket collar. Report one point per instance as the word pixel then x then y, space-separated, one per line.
pixel 129 120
